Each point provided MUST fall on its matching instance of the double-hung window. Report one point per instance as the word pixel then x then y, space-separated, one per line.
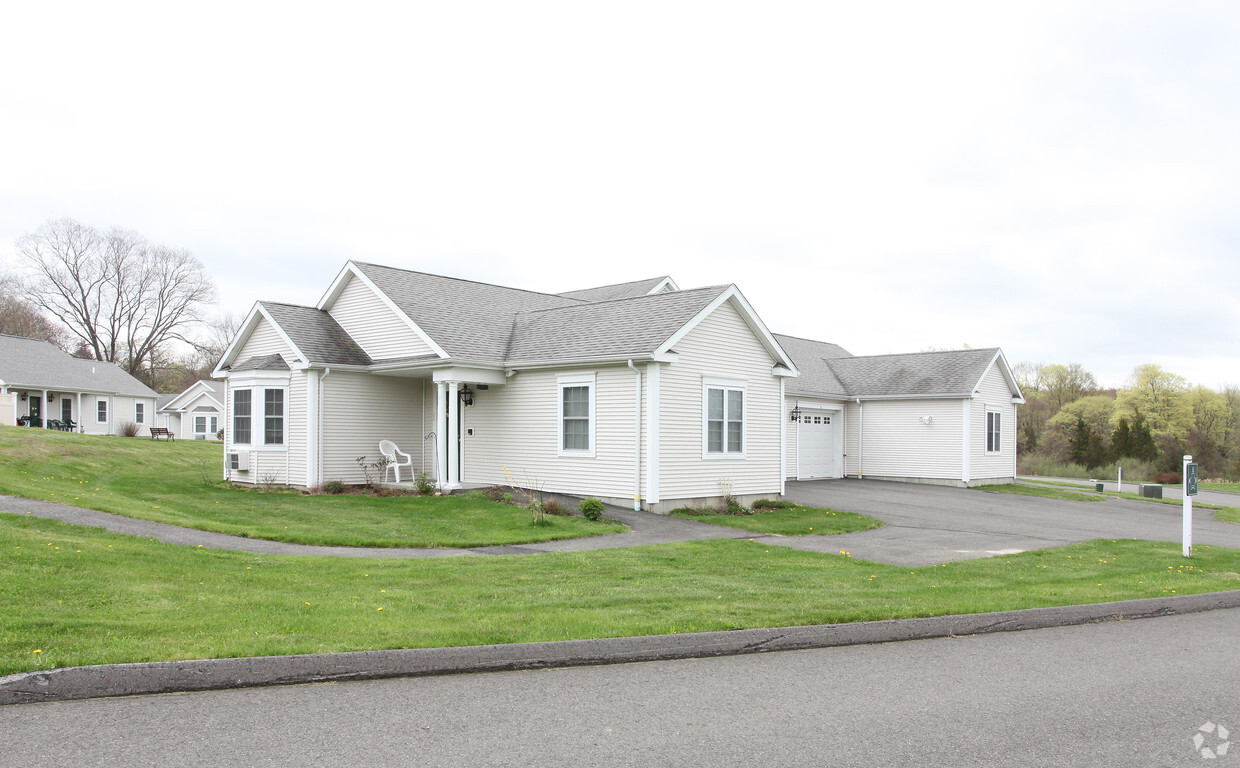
pixel 101 411
pixel 576 414
pixel 139 412
pixel 242 416
pixel 994 431
pixel 273 417
pixel 723 403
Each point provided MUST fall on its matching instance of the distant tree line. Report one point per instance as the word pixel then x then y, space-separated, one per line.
pixel 1146 426
pixel 115 296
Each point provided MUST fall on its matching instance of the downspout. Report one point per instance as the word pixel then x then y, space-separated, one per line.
pixel 860 438
pixel 637 438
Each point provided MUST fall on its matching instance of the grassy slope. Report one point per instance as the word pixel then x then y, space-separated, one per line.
pixel 71 595
pixel 178 483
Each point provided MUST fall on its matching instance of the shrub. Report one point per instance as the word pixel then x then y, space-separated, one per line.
pixel 129 429
pixel 333 486
pixel 591 509
pixel 772 504
pixel 554 507
pixel 424 483
pixel 1169 478
pixel 498 493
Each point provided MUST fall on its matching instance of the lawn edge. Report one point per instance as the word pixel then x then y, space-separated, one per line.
pixel 111 680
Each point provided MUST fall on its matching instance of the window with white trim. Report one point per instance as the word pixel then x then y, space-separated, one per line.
pixel 242 416
pixel 139 412
pixel 273 417
pixel 994 431
pixel 576 415
pixel 723 429
pixel 101 411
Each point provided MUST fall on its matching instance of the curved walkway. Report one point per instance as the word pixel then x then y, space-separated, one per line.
pixel 924 525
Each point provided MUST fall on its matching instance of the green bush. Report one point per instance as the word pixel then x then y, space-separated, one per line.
pixel 772 504
pixel 554 507
pixel 333 486
pixel 424 483
pixel 591 509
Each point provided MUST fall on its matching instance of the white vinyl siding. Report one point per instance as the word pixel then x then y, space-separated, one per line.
pixel 722 344
pixel 896 440
pixel 359 410
pixel 263 341
pixel 373 325
pixel 994 397
pixel 517 426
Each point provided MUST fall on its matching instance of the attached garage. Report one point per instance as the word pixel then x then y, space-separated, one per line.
pixel 819 442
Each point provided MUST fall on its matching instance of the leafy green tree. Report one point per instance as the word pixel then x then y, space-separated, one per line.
pixel 1065 383
pixel 1160 397
pixel 1121 440
pixel 1096 410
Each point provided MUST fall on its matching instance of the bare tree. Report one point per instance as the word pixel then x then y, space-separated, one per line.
pixel 121 296
pixel 18 317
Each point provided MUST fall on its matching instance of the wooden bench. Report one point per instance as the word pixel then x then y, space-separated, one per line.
pixel 161 432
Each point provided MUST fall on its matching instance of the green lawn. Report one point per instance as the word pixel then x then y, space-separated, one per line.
pixel 1232 487
pixel 792 521
pixel 1046 493
pixel 179 483
pixel 71 595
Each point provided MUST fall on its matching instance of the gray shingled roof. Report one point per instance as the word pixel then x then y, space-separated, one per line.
pixel 316 334
pixel 810 357
pixel 466 319
pixel 617 291
pixel 606 329
pixel 262 363
pixel 34 364
pixel 922 373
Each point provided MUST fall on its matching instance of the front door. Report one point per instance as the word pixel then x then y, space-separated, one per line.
pixel 35 411
pixel 816 445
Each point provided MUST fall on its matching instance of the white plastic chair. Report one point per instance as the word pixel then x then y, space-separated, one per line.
pixel 391 452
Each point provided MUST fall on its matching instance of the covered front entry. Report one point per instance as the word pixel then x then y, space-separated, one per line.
pixel 817 444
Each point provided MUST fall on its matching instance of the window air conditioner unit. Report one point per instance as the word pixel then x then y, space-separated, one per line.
pixel 237 460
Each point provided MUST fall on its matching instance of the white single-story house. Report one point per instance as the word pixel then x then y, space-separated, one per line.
pixel 196 413
pixel 639 392
pixel 43 386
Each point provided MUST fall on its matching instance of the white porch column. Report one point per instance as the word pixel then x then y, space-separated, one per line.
pixel 441 441
pixel 967 418
pixel 454 435
pixel 44 412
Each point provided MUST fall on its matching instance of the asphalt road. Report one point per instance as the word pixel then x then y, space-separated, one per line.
pixel 1131 693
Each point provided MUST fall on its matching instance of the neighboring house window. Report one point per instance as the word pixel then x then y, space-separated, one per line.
pixel 273 416
pixel 724 428
pixel 576 415
pixel 994 431
pixel 241 416
pixel 201 424
pixel 101 411
pixel 138 409
pixel 66 409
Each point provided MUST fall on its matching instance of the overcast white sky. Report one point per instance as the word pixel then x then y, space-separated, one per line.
pixel 1058 179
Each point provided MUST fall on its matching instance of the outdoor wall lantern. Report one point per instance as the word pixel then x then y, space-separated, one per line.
pixel 795 415
pixel 23 397
pixel 51 397
pixel 467 395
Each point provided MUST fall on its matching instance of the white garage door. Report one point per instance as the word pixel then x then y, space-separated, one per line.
pixel 816 445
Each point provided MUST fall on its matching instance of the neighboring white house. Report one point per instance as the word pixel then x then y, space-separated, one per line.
pixel 639 392
pixel 197 413
pixel 41 385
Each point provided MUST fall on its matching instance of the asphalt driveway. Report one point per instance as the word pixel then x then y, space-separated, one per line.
pixel 927 524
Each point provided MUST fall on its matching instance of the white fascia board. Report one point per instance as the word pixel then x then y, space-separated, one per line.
pixel 189 395
pixel 666 284
pixel 1017 396
pixel 464 373
pixel 747 313
pixel 351 270
pixel 585 362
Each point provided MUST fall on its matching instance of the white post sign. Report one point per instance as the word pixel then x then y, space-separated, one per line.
pixel 1189 469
